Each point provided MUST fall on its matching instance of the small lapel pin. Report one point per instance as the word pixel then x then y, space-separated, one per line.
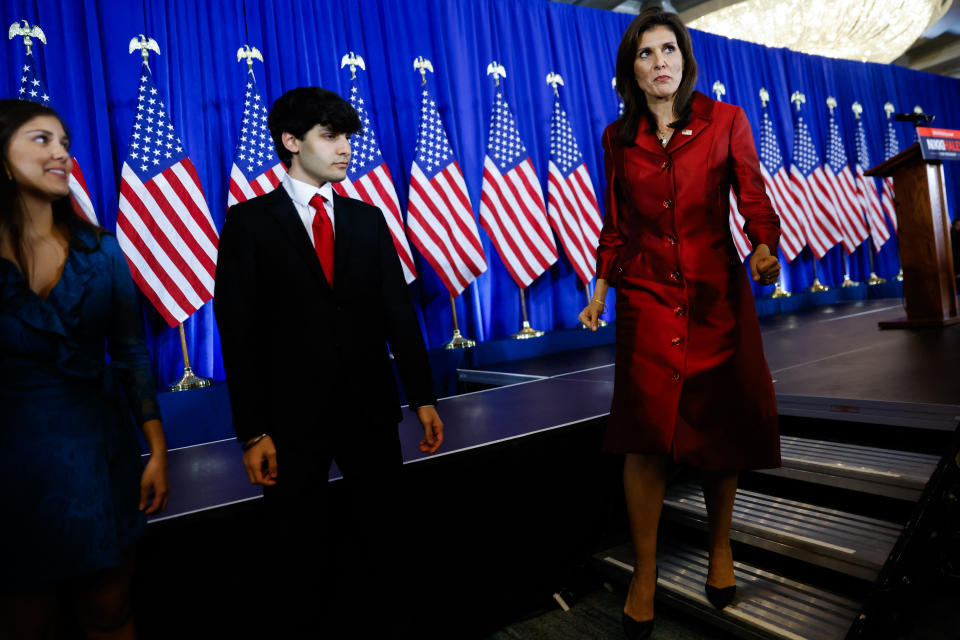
pixel 687 132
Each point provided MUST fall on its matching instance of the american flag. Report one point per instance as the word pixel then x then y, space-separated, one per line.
pixel 792 236
pixel 867 191
pixel 32 87
pixel 891 147
pixel 572 204
pixel 810 192
pixel 439 215
pixel 511 201
pixel 840 180
pixel 736 221
pixel 164 226
pixel 256 168
pixel 368 179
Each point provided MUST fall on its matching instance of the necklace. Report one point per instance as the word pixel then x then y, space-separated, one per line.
pixel 664 138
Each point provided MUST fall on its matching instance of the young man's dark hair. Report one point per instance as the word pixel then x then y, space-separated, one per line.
pixel 301 109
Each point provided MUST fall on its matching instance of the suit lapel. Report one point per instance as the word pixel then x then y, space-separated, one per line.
pixel 288 220
pixel 648 141
pixel 702 114
pixel 343 236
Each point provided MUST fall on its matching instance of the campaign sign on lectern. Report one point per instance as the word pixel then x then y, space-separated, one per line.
pixel 929 286
pixel 939 144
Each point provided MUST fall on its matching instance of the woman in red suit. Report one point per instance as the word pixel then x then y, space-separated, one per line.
pixel 691 382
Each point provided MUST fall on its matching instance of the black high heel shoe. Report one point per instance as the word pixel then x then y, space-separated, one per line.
pixel 635 629
pixel 718 597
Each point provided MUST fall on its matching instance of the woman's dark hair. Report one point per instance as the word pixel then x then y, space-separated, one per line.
pixel 634 100
pixel 13 115
pixel 301 109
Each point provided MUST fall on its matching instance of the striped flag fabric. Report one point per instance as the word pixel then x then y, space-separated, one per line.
pixel 867 191
pixel 439 215
pixel 792 235
pixel 840 180
pixel 164 226
pixel 810 192
pixel 32 87
pixel 571 202
pixel 740 240
pixel 368 179
pixel 256 168
pixel 891 147
pixel 512 208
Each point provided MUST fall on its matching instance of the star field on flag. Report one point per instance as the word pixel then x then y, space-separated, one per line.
pixel 512 209
pixel 164 226
pixel 256 168
pixel 572 205
pixel 440 217
pixel 368 179
pixel 792 237
pixel 810 192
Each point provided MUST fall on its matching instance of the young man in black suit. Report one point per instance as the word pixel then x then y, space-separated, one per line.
pixel 309 293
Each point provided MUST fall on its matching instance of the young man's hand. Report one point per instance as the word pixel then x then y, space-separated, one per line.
pixel 263 454
pixel 432 429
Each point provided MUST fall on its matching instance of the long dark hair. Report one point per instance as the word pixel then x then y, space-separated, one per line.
pixel 13 115
pixel 635 107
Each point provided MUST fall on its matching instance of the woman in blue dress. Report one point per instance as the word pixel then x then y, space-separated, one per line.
pixel 74 493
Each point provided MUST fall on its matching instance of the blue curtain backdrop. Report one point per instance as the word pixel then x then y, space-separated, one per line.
pixel 93 81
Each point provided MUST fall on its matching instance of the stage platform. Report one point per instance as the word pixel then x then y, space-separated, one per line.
pixel 520 491
pixel 829 362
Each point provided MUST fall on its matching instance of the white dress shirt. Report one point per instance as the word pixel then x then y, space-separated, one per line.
pixel 301 194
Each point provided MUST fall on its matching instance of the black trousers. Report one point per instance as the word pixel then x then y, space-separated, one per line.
pixel 336 562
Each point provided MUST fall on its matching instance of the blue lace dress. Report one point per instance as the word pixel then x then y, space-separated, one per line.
pixel 69 454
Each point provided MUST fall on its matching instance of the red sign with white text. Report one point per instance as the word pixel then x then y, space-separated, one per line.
pixel 939 144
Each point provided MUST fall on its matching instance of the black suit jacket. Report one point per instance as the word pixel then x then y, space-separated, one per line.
pixel 299 355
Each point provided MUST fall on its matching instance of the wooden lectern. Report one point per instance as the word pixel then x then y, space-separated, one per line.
pixel 929 284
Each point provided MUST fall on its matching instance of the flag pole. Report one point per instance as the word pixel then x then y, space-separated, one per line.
pixel 526 331
pixel 781 291
pixel 847 282
pixel 457 341
pixel 817 286
pixel 874 278
pixel 189 380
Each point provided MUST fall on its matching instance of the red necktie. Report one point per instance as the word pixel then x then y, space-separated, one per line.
pixel 323 236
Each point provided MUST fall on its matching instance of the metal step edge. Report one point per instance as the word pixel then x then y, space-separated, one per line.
pixel 784 508
pixel 831 541
pixel 767 605
pixel 905 478
pixel 892 468
pixel 856 450
pixel 858 552
pixel 846 481
pixel 865 566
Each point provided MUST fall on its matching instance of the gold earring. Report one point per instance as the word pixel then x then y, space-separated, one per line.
pixel 6 170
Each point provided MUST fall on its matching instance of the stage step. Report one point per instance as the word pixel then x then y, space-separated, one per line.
pixel 767 605
pixel 885 472
pixel 845 542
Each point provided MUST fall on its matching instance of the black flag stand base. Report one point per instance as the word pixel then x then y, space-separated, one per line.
pixel 189 380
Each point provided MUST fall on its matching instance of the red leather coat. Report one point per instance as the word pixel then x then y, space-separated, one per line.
pixel 691 380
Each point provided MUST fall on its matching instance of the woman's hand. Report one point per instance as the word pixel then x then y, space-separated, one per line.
pixel 155 479
pixel 764 268
pixel 590 316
